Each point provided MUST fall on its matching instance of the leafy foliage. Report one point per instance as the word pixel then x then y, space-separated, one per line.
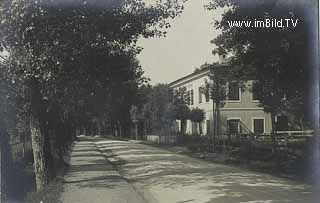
pixel 197 115
pixel 182 111
pixel 73 64
pixel 280 59
pixel 157 111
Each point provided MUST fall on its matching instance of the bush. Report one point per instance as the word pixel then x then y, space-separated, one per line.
pixel 194 142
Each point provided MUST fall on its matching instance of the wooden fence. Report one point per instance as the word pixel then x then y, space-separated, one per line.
pixel 169 139
pixel 285 140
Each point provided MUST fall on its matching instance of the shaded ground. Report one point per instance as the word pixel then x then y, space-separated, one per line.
pixel 161 176
pixel 20 183
pixel 92 179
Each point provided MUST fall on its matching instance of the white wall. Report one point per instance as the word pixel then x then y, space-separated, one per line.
pixel 246 108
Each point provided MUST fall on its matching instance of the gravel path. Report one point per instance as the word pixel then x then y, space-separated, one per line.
pixel 161 176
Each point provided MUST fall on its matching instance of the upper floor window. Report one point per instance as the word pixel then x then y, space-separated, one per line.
pixel 200 95
pixel 234 91
pixel 207 95
pixel 191 97
pixel 188 98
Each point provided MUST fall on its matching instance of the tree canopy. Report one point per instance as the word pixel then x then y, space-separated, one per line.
pixel 281 59
pixel 72 64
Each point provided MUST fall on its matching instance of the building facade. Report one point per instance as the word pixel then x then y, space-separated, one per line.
pixel 240 112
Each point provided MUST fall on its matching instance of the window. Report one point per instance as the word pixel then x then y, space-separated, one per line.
pixel 200 95
pixel 187 98
pixel 207 95
pixel 255 91
pixel 234 91
pixel 258 125
pixel 233 126
pixel 191 97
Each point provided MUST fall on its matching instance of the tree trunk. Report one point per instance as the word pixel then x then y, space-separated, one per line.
pixel 275 149
pixel 213 127
pixel 99 128
pixel 218 103
pixel 218 119
pixel 181 126
pixel 48 154
pixel 120 129
pixel 37 136
pixel 38 143
pixel 273 133
pixel 136 130
pixel 145 128
pixel 0 171
pixel 301 123
pixel 6 174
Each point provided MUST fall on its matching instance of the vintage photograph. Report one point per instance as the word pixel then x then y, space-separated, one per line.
pixel 159 101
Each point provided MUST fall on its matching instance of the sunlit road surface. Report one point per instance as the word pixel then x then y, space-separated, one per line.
pixel 160 176
pixel 92 179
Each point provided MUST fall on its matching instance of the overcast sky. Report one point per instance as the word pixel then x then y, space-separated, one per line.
pixel 186 46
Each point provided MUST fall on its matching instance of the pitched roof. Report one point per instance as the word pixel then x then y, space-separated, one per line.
pixel 198 72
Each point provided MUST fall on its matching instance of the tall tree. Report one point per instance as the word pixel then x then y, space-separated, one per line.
pixel 65 52
pixel 216 90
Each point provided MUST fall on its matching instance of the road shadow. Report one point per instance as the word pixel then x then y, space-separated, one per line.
pixel 151 167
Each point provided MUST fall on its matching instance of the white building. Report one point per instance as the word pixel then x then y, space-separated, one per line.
pixel 241 110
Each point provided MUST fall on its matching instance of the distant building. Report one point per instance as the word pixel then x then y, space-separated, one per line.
pixel 241 110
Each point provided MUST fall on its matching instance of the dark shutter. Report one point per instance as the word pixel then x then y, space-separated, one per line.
pixel 258 125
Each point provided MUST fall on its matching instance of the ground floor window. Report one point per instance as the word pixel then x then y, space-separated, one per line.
pixel 233 126
pixel 258 125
